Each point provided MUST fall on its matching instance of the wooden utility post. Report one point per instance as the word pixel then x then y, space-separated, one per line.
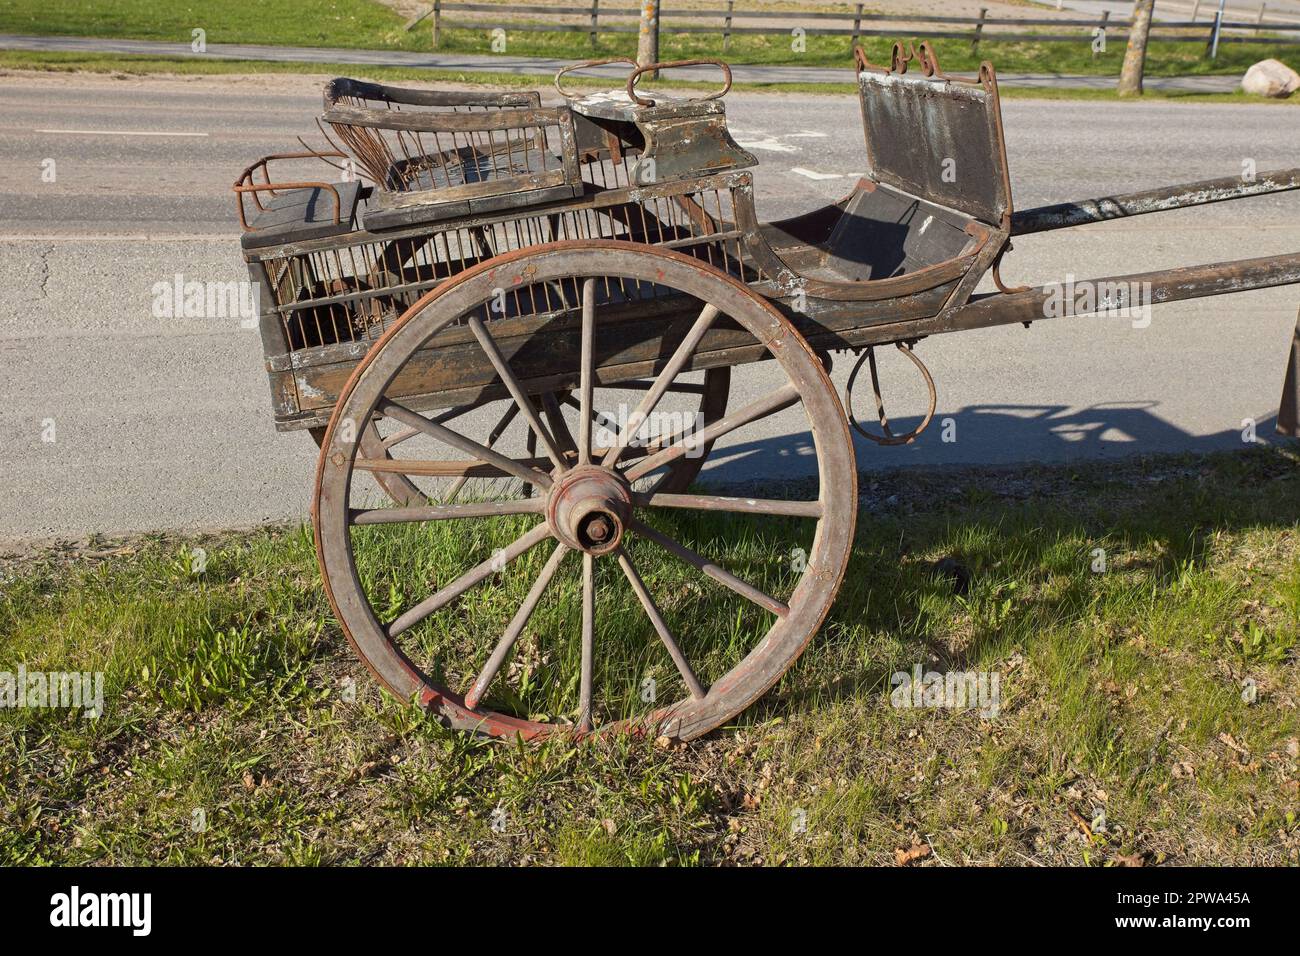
pixel 647 47
pixel 1135 57
pixel 979 29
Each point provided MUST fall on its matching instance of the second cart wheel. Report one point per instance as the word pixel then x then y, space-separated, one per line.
pixel 619 622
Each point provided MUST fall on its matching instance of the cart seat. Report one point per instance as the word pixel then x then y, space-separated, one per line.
pixel 875 233
pixel 675 136
pixel 936 198
pixel 436 155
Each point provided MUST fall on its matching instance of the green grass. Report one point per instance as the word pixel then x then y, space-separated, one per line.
pixel 340 23
pixel 367 24
pixel 227 691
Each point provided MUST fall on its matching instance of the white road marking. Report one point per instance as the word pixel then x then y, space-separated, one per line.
pixel 813 174
pixel 807 134
pixel 769 143
pixel 115 132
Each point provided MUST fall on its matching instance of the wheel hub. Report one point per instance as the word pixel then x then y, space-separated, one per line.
pixel 589 508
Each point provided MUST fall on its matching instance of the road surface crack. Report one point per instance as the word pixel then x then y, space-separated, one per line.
pixel 45 271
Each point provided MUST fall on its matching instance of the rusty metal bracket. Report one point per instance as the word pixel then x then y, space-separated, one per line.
pixel 888 437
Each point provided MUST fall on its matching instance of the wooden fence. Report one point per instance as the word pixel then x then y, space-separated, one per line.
pixel 595 20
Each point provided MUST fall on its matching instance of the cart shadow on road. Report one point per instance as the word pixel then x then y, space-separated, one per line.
pixel 995 435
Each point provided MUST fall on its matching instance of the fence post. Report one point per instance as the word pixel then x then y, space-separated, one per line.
pixel 437 21
pixel 1259 20
pixel 726 26
pixel 979 28
pixel 857 24
pixel 1214 34
pixel 1196 8
pixel 1105 18
pixel 595 26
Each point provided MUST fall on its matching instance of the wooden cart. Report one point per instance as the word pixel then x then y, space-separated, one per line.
pixel 515 266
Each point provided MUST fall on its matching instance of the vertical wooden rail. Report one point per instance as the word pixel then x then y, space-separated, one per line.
pixel 979 28
pixel 1259 20
pixel 437 21
pixel 726 26
pixel 857 25
pixel 594 35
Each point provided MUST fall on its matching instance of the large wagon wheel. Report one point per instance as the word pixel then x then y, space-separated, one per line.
pixel 589 507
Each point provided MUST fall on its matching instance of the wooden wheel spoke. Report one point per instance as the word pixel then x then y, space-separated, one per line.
pixel 563 437
pixel 515 628
pixel 507 375
pixel 782 398
pixel 511 411
pixel 468 445
pixel 588 641
pixel 485 509
pixel 422 468
pixel 757 506
pixel 711 570
pixel 587 371
pixel 639 385
pixel 398 437
pixel 597 417
pixel 441 418
pixel 473 576
pixel 681 355
pixel 660 626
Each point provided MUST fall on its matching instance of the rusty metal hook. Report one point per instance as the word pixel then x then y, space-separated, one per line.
pixel 929 60
pixel 997 273
pixel 888 438
pixel 900 55
pixel 572 67
pixel 673 64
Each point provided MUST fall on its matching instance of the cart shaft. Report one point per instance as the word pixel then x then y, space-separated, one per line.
pixel 1064 215
pixel 1057 300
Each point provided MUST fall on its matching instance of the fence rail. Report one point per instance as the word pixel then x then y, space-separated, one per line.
pixel 859 23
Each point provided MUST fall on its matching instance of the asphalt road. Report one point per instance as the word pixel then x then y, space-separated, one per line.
pixel 163 423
